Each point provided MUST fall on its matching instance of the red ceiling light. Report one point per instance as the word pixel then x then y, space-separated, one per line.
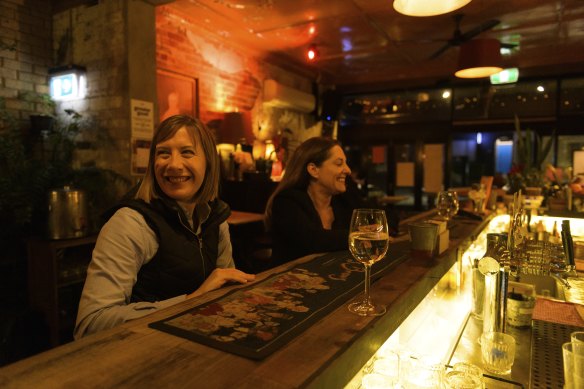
pixel 479 58
pixel 312 53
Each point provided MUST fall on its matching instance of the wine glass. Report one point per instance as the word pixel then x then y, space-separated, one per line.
pixel 368 243
pixel 447 204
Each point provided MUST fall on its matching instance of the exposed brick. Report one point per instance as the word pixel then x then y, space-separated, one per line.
pixel 19 85
pixel 34 78
pixel 11 64
pixel 9 54
pixel 8 93
pixel 42 88
pixel 17 104
pixel 11 24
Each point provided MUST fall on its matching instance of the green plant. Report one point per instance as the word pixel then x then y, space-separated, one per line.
pixel 39 102
pixel 31 168
pixel 529 155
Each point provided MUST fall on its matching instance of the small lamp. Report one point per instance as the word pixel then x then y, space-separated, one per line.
pixel 259 149
pixel 67 82
pixel 270 151
pixel 427 7
pixel 479 58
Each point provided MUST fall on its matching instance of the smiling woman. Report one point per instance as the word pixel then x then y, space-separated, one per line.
pixel 170 241
pixel 310 210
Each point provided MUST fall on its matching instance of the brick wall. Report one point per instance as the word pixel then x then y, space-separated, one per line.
pixel 98 43
pixel 230 78
pixel 25 54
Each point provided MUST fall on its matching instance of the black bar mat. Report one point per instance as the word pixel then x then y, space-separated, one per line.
pixel 257 320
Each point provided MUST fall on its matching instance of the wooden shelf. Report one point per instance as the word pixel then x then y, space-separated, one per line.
pixel 56 273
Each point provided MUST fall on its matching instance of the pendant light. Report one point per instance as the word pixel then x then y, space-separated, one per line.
pixel 428 7
pixel 479 58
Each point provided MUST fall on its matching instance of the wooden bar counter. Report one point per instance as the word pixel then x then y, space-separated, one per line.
pixel 327 355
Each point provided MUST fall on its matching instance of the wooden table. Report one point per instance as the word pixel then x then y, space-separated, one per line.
pixel 246 230
pixel 237 218
pixel 327 355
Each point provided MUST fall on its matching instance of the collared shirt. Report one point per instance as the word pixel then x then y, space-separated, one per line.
pixel 124 245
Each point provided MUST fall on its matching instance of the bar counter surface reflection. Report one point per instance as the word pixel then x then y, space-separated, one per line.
pixel 327 354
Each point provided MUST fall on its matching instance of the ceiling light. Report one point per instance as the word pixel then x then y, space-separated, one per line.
pixel 312 53
pixel 479 58
pixel 540 88
pixel 427 7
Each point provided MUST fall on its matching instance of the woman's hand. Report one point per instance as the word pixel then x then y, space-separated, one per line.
pixel 219 277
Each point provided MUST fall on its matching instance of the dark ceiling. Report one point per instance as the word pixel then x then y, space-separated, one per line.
pixel 366 44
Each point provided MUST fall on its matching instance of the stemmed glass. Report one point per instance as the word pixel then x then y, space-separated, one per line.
pixel 447 204
pixel 368 243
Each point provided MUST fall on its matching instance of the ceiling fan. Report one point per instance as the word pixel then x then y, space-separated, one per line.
pixel 458 37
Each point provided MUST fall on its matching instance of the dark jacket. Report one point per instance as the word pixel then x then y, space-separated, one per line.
pixel 184 259
pixel 297 230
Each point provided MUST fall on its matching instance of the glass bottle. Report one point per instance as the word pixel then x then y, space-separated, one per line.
pixel 496 247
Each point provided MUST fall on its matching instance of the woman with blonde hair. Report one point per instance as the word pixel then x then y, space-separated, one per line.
pixel 310 209
pixel 167 243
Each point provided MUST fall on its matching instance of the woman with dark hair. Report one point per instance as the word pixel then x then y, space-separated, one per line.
pixel 167 243
pixel 310 210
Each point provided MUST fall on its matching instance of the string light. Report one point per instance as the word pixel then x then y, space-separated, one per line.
pixel 312 53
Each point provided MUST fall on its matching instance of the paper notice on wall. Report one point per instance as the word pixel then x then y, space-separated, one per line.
pixel 433 172
pixel 142 118
pixel 404 174
pixel 140 155
pixel 578 158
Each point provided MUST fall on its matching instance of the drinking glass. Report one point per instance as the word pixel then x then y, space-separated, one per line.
pixel 368 243
pixel 498 352
pixel 577 337
pixel 447 204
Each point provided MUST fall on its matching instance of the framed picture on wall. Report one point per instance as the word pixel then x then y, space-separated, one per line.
pixel 177 94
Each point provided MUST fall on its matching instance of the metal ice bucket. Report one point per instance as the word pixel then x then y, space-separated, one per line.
pixel 67 213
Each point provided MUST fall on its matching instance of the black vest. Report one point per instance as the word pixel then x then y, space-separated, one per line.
pixel 183 260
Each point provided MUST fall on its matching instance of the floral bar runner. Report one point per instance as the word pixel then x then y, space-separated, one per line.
pixel 256 320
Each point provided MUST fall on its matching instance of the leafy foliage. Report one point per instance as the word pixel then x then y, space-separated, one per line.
pixel 32 166
pixel 529 155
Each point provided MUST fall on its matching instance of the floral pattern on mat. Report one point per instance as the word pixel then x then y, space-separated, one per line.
pixel 257 319
pixel 254 312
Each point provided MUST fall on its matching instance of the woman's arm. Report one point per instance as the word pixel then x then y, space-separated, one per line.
pixel 124 245
pixel 225 251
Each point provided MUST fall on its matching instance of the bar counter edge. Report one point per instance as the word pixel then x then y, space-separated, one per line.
pixel 326 355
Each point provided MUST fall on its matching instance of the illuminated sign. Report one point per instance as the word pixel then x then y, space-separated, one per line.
pixel 506 76
pixel 67 83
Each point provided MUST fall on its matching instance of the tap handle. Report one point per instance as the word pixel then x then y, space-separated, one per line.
pixel 568 244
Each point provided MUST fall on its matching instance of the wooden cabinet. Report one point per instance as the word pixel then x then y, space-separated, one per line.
pixel 56 274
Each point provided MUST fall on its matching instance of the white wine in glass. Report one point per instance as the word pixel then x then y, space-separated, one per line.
pixel 368 243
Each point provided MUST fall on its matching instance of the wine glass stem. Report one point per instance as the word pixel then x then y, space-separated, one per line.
pixel 367 300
